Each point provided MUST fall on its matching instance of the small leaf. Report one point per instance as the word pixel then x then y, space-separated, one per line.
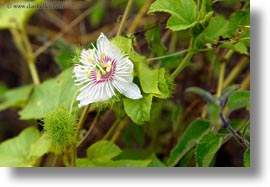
pixel 163 86
pixel 102 151
pixel 218 26
pixel 201 92
pixel 84 162
pixel 16 97
pixel 238 19
pixel 138 110
pixel 183 13
pixel 50 95
pixel 148 79
pixel 207 148
pixel 227 92
pixel 14 152
pixel 40 147
pixel 16 13
pixel 241 48
pixel 189 139
pixel 129 163
pixel 237 100
pixel 140 155
pixel 125 44
pixel 247 158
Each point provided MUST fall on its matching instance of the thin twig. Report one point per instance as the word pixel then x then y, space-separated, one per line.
pixel 237 137
pixel 89 130
pixel 61 33
pixel 127 10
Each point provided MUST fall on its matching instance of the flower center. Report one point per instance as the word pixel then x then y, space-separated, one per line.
pixel 102 70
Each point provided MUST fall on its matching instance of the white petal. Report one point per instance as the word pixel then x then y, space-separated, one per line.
pixel 105 46
pixel 79 71
pixel 129 89
pixel 94 93
pixel 86 55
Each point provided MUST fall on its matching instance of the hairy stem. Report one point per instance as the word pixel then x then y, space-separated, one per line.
pixel 237 137
pixel 127 10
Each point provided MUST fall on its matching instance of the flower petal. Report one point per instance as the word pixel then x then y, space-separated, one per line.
pixel 129 89
pixel 104 46
pixel 95 93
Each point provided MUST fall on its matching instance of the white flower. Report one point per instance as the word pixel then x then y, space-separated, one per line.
pixel 103 70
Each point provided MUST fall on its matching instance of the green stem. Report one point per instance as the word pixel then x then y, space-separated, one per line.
pixel 166 56
pixel 23 44
pixel 33 72
pixel 222 69
pixel 139 16
pixel 107 135
pixel 236 71
pixel 182 65
pixel 89 130
pixel 81 121
pixel 73 100
pixel 236 136
pixel 202 9
pixel 118 131
pixel 127 10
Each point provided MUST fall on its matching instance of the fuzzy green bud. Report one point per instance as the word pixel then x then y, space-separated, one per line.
pixel 60 126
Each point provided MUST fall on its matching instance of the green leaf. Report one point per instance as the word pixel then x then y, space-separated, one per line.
pixel 247 158
pixel 218 26
pixel 16 97
pixel 189 139
pixel 14 152
pixel 238 19
pixel 3 89
pixel 102 152
pixel 16 13
pixel 207 148
pixel 129 163
pixel 183 13
pixel 40 147
pixel 201 92
pixel 50 95
pixel 148 79
pixel 140 155
pixel 84 162
pixel 237 100
pixel 163 85
pixel 138 110
pixel 125 44
pixel 241 48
